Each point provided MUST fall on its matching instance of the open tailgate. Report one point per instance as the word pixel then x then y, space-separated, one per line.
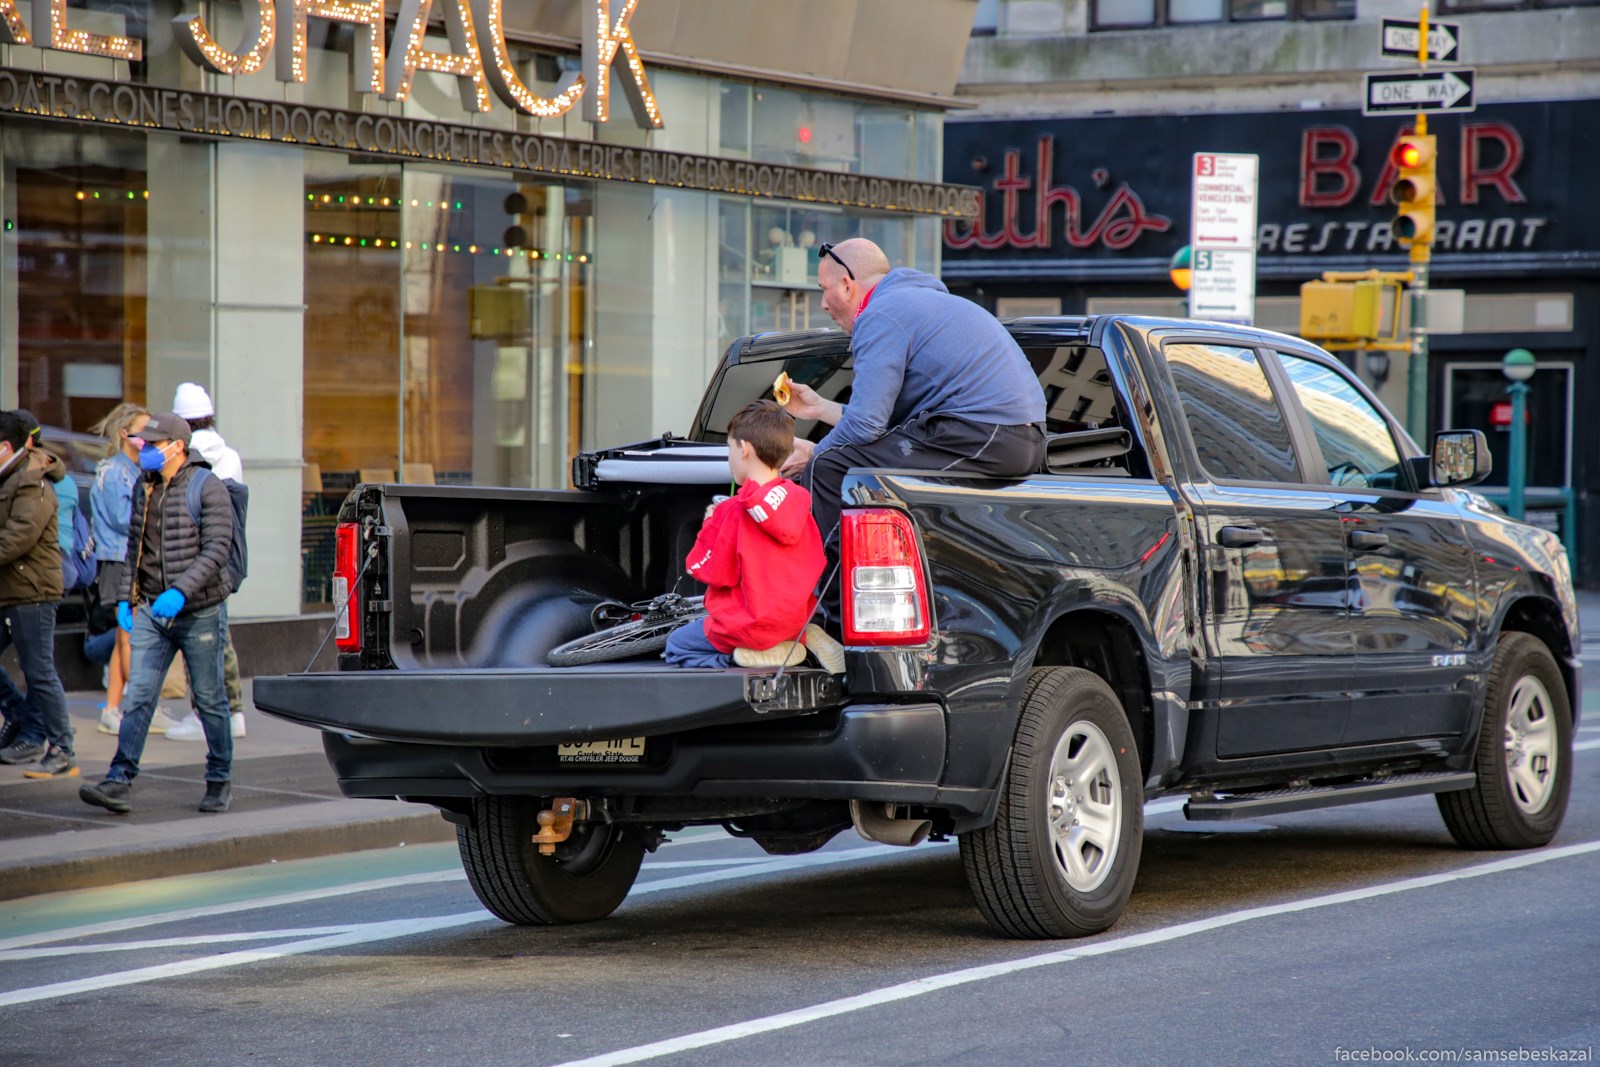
pixel 541 705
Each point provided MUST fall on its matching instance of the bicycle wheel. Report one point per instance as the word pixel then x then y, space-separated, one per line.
pixel 626 641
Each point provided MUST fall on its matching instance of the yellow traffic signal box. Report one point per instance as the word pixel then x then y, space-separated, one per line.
pixel 1341 310
pixel 1415 156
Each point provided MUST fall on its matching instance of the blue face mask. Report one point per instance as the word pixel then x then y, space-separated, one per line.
pixel 151 458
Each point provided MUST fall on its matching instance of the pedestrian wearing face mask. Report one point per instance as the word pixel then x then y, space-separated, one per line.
pixel 172 600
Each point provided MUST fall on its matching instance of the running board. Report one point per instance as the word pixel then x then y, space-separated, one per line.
pixel 1305 798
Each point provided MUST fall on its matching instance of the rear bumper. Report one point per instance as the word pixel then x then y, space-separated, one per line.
pixel 540 706
pixel 865 752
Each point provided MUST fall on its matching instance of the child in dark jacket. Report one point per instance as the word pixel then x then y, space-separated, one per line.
pixel 760 555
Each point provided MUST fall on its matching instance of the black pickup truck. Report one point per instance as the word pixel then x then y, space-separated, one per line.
pixel 1238 581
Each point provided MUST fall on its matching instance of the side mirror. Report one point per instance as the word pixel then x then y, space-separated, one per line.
pixel 1460 457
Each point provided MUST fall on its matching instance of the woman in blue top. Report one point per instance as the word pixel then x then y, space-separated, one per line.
pixel 111 502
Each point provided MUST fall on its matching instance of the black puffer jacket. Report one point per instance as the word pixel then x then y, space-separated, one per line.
pixel 193 558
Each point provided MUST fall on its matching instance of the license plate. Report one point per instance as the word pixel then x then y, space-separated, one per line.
pixel 616 750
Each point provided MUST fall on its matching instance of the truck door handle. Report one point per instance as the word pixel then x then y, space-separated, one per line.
pixel 1239 536
pixel 1367 539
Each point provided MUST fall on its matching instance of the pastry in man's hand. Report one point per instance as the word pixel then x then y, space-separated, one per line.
pixel 780 389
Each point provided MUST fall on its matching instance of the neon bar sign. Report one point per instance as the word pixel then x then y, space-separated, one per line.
pixel 479 57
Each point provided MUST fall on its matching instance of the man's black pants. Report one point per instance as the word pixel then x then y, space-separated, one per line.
pixel 944 443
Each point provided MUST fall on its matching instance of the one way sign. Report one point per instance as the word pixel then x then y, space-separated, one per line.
pixel 1441 90
pixel 1400 39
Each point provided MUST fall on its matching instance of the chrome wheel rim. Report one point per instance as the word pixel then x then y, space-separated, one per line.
pixel 1531 745
pixel 1084 806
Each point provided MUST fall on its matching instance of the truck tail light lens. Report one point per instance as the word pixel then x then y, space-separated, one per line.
pixel 346 566
pixel 885 597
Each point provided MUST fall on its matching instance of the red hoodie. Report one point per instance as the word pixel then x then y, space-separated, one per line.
pixel 761 555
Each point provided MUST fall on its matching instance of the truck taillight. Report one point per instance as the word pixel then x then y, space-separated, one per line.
pixel 885 597
pixel 346 566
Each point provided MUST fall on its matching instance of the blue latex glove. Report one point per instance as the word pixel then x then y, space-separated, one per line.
pixel 167 605
pixel 125 615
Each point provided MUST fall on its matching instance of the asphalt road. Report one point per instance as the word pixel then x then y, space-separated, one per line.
pixel 1359 934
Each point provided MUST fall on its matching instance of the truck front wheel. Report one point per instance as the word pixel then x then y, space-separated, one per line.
pixel 587 878
pixel 1062 853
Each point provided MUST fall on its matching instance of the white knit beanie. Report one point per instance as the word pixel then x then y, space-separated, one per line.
pixel 192 402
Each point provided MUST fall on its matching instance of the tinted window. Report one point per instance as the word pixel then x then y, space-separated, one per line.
pixel 1237 428
pixel 1356 443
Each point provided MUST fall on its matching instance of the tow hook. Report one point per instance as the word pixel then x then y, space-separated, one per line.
pixel 555 823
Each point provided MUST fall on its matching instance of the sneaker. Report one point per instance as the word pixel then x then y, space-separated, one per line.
pixel 110 720
pixel 22 752
pixel 829 652
pixel 237 721
pixel 57 763
pixel 109 794
pixel 187 729
pixel 218 796
pixel 162 721
pixel 9 731
pixel 785 655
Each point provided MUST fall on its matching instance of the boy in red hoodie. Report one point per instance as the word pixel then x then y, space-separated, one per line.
pixel 760 555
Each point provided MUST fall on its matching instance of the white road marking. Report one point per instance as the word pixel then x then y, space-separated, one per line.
pixel 934 983
pixel 1584 746
pixel 8 955
pixel 367 933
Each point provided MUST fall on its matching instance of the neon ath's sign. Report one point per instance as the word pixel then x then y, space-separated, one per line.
pixel 276 30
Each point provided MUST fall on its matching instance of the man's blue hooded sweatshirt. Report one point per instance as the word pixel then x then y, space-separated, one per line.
pixel 918 349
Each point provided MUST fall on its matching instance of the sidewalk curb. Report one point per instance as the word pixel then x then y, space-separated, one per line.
pixel 329 830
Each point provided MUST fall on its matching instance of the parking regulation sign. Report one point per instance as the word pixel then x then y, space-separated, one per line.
pixel 1222 227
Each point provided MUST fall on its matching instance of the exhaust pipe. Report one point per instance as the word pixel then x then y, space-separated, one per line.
pixel 875 820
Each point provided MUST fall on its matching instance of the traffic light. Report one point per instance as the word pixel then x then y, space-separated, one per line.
pixel 518 235
pixel 1414 157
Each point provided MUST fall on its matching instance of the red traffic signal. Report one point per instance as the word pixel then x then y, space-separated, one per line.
pixel 1414 157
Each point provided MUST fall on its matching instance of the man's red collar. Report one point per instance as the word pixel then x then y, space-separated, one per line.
pixel 866 299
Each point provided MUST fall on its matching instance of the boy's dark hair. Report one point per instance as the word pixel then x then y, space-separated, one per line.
pixel 768 428
pixel 14 430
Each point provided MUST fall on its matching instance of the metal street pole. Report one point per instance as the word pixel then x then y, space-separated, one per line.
pixel 1417 364
pixel 1518 366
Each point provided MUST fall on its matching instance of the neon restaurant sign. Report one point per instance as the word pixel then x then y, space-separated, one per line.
pixel 276 31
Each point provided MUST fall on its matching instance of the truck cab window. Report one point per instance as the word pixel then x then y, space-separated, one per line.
pixel 1238 430
pixel 1357 447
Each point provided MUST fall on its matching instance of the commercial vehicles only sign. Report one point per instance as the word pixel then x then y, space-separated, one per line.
pixel 1222 228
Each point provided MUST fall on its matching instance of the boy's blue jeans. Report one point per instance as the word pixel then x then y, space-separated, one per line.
pixel 687 647
pixel 201 637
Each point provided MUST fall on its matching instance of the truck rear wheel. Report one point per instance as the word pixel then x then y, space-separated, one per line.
pixel 587 878
pixel 1062 853
pixel 1524 754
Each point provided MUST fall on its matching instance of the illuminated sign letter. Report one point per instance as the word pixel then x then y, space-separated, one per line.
pixel 407 56
pixel 65 39
pixel 600 46
pixel 198 44
pixel 12 29
pixel 503 76
pixel 368 19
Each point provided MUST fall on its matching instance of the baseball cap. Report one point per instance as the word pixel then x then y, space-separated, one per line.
pixel 29 420
pixel 191 401
pixel 165 426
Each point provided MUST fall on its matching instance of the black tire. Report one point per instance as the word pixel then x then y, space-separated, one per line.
pixel 1524 754
pixel 587 879
pixel 1018 870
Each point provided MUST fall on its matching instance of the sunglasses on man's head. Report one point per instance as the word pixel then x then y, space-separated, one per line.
pixel 826 249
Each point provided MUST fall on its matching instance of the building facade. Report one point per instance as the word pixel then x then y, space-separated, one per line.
pixel 1089 115
pixel 454 242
